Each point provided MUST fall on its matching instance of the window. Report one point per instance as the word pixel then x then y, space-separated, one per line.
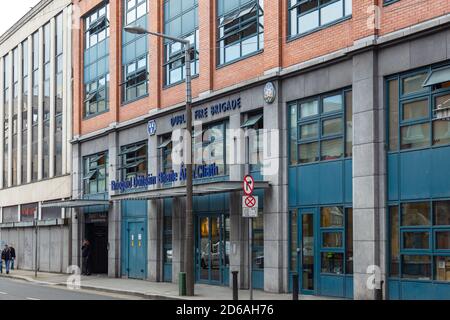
pixel 308 15
pixel 95 170
pixel 165 148
pixel 240 29
pixel 6 77
pixel 336 238
pixel 210 146
pixel 319 126
pixel 420 240
pixel 15 112
pixel 134 52
pixel 254 133
pixel 58 95
pixel 35 108
pixel 133 160
pixel 167 232
pixel 46 124
pixel 258 241
pixel 96 62
pixel 25 93
pixel 411 99
pixel 181 21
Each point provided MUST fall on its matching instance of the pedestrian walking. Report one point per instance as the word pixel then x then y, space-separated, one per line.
pixel 13 256
pixel 6 255
pixel 86 255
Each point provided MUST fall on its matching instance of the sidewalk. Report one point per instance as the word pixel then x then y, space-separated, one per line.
pixel 147 289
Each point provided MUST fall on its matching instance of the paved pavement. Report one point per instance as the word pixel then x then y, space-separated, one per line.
pixel 13 289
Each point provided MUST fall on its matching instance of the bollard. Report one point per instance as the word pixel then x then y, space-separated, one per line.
pixel 235 285
pixel 379 292
pixel 182 284
pixel 295 286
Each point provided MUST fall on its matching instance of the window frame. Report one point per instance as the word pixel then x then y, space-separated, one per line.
pixel 89 160
pixel 134 161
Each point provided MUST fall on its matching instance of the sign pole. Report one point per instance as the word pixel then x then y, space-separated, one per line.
pixel 250 257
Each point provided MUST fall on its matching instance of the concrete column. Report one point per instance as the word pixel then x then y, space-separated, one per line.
pixel 178 232
pixel 51 140
pixel 115 212
pixel 275 198
pixel 368 173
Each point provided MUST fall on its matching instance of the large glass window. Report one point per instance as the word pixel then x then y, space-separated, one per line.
pixel 25 93
pixel 181 21
pixel 308 15
pixel 35 108
pixel 6 88
pixel 15 112
pixel 321 128
pixel 411 103
pixel 133 160
pixel 254 133
pixel 95 170
pixel 96 61
pixel 240 29
pixel 165 148
pixel 258 241
pixel 420 240
pixel 46 126
pixel 134 52
pixel 58 95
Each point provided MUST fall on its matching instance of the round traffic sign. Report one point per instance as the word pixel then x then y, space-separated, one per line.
pixel 249 184
pixel 250 201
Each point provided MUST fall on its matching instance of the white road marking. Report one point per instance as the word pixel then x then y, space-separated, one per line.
pixel 28 298
pixel 3 292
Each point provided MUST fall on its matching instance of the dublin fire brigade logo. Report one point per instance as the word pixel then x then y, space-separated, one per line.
pixel 269 92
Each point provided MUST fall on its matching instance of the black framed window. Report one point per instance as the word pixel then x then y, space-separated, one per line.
pixel 412 100
pixel 96 61
pixel 35 108
pixel 58 94
pixel 6 141
pixel 321 128
pixel 95 170
pixel 181 21
pixel 134 52
pixel 254 133
pixel 46 107
pixel 15 112
pixel 240 29
pixel 165 149
pixel 133 160
pixel 306 16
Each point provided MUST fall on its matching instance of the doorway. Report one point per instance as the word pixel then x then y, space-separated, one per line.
pixel 213 249
pixel 96 231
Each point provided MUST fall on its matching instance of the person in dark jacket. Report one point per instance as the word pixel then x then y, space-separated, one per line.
pixel 86 255
pixel 13 256
pixel 6 255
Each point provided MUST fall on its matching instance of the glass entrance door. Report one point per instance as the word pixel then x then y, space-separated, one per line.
pixel 212 249
pixel 303 248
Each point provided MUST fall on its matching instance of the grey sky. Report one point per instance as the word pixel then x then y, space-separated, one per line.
pixel 13 11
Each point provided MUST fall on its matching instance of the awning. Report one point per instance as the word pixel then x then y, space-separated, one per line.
pixel 75 203
pixel 437 76
pixel 252 121
pixel 198 190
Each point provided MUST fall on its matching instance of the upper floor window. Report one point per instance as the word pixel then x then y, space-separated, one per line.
pixel 166 153
pixel 321 128
pixel 254 133
pixel 95 169
pixel 134 52
pixel 96 66
pixel 133 160
pixel 412 98
pixel 240 26
pixel 181 21
pixel 308 15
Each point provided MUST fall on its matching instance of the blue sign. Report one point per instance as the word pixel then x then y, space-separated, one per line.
pixel 151 127
pixel 198 172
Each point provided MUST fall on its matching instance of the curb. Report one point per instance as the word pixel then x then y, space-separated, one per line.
pixel 94 288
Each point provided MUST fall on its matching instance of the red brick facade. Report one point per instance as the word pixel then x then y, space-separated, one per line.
pixel 279 51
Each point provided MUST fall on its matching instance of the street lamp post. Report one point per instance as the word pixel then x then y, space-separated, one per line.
pixel 189 241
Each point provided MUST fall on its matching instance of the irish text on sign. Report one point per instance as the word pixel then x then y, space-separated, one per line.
pixel 249 206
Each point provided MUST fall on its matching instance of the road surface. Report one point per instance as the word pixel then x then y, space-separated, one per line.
pixel 11 289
